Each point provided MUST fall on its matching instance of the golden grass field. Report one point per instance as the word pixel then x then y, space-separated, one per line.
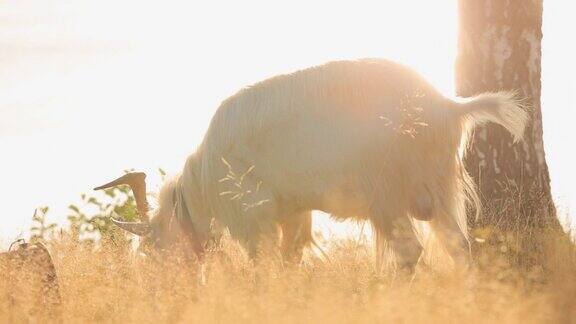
pixel 111 284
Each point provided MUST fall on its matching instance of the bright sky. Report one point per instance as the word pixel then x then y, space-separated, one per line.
pixel 75 73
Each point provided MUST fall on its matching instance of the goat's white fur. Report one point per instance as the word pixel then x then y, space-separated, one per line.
pixel 366 140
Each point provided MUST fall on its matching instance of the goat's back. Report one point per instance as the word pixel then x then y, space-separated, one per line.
pixel 309 133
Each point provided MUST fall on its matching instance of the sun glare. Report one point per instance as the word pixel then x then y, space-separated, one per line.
pixel 90 90
pixel 158 71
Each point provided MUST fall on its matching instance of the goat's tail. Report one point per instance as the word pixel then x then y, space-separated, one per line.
pixel 504 108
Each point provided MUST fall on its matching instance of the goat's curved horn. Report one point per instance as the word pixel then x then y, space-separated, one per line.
pixel 137 228
pixel 137 182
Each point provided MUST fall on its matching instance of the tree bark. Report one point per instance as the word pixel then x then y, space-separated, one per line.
pixel 500 49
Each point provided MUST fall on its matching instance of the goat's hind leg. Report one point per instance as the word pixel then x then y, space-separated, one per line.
pixel 397 245
pixel 405 245
pixel 453 240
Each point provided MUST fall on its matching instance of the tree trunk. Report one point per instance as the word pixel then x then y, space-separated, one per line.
pixel 500 49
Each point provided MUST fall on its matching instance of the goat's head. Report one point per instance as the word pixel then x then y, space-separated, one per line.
pixel 161 231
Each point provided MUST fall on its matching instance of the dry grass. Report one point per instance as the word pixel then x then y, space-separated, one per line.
pixel 109 284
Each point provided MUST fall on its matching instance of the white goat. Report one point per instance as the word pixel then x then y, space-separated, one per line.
pixel 365 140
